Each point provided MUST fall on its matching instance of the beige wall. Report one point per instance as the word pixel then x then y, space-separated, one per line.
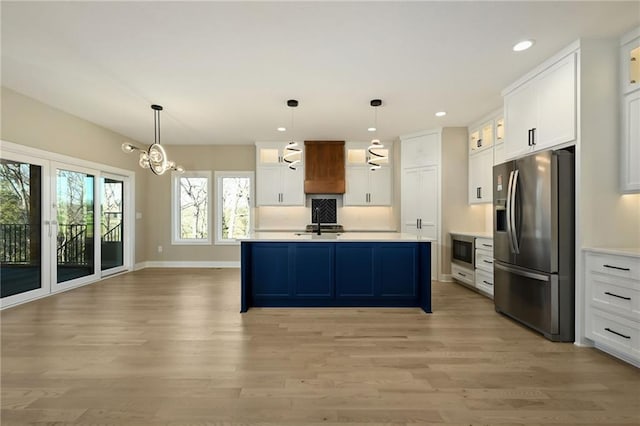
pixel 157 224
pixel 609 218
pixel 28 122
pixel 457 214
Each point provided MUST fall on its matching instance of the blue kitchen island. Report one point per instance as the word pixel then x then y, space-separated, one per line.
pixel 349 270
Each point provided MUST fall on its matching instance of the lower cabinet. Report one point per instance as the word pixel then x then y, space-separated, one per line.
pixel 612 308
pixel 395 274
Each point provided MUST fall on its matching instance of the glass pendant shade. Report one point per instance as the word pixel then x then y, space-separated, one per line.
pixel 144 160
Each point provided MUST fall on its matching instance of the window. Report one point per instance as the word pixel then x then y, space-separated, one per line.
pixel 234 195
pixel 191 212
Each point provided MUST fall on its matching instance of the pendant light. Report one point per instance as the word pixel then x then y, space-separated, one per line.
pixel 155 157
pixel 292 152
pixel 375 159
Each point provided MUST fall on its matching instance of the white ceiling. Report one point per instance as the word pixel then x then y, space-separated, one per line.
pixel 223 71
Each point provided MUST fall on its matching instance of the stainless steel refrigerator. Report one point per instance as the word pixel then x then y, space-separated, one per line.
pixel 533 231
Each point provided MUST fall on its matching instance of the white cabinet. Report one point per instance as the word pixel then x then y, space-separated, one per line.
pixel 421 150
pixel 365 187
pixel 612 303
pixel 630 112
pixel 276 183
pixel 481 177
pixel 484 265
pixel 541 112
pixel 420 201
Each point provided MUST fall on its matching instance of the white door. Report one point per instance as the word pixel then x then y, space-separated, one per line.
pixel 631 142
pixel 75 211
pixel 357 186
pixel 428 213
pixel 292 186
pixel 520 110
pixel 474 178
pixel 114 246
pixel 410 200
pixel 557 105
pixel 485 176
pixel 25 228
pixel 268 186
pixel 380 187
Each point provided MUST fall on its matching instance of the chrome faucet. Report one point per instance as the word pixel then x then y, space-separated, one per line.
pixel 318 219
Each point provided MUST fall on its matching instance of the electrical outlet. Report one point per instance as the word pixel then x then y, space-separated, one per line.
pixel 159 249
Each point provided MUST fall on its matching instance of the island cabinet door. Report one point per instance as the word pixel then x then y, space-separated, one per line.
pixel 270 270
pixel 396 270
pixel 354 270
pixel 313 270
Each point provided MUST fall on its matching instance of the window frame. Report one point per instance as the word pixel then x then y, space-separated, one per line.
pixel 219 175
pixel 176 239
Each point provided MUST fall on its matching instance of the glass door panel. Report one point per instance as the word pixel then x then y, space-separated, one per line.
pixel 111 223
pixel 20 227
pixel 75 213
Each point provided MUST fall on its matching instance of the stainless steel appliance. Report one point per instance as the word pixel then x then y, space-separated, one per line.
pixel 533 233
pixel 463 250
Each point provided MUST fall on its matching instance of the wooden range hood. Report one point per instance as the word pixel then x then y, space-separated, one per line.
pixel 324 167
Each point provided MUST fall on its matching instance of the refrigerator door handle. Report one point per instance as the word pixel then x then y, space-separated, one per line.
pixel 509 231
pixel 512 213
pixel 520 272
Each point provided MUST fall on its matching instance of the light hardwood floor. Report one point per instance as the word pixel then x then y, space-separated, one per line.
pixel 162 346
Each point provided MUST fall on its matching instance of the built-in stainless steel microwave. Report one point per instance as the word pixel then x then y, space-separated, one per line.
pixel 463 250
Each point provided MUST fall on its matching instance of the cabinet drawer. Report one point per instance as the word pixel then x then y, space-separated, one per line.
pixel 618 266
pixel 615 332
pixel 484 260
pixel 484 281
pixel 484 244
pixel 613 294
pixel 462 274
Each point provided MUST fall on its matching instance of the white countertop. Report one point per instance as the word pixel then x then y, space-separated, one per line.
pixel 343 237
pixel 633 252
pixel 473 234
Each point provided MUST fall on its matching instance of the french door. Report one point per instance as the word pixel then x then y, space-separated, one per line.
pixel 61 226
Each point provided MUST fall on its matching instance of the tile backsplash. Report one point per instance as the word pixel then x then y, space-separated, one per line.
pixel 351 218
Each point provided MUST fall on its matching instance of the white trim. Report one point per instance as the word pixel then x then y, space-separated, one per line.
pixel 630 36
pixel 187 264
pixel 175 208
pixel 218 202
pixel 446 278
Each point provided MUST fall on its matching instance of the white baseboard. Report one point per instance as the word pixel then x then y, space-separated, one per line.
pixel 186 264
pixel 446 278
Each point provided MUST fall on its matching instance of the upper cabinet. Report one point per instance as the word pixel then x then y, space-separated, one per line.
pixel 276 183
pixel 487 151
pixel 421 150
pixel 365 187
pixel 541 111
pixel 482 137
pixel 630 112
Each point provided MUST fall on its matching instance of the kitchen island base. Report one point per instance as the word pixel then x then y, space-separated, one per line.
pixel 336 274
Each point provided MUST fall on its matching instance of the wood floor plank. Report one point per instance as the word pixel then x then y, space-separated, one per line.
pixel 169 346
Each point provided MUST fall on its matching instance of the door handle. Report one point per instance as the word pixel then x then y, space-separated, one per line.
pixel 529 137
pixel 616 267
pixel 533 136
pixel 478 193
pixel 616 295
pixel 512 216
pixel 509 230
pixel 526 274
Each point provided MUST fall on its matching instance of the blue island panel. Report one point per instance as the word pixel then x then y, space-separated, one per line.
pixel 313 270
pixel 270 269
pixel 397 270
pixel 336 274
pixel 354 270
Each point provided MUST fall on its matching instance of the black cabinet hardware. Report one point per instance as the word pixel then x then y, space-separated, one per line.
pixel 615 295
pixel 616 267
pixel 479 192
pixel 615 332
pixel 529 137
pixel 487 282
pixel 462 275
pixel 487 261
pixel 487 245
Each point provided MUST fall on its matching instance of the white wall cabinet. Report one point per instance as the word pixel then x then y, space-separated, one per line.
pixel 420 150
pixel 630 112
pixel 481 177
pixel 276 183
pixel 541 112
pixel 365 187
pixel 613 302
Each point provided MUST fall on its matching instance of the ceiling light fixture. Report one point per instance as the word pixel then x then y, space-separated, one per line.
pixel 522 45
pixel 292 153
pixel 375 155
pixel 154 158
pixel 441 113
pixel 282 129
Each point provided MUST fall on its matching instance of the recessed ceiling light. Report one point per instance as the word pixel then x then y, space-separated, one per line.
pixel 282 129
pixel 441 113
pixel 371 129
pixel 522 45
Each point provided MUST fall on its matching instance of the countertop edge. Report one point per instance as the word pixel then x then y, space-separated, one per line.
pixel 473 234
pixel 629 252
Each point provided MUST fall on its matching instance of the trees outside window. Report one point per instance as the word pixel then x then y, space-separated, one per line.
pixel 191 208
pixel 234 197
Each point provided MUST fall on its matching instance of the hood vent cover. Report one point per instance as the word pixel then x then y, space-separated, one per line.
pixel 324 167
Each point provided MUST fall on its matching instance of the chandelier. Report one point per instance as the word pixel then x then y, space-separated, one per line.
pixel 155 157
pixel 292 152
pixel 376 158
